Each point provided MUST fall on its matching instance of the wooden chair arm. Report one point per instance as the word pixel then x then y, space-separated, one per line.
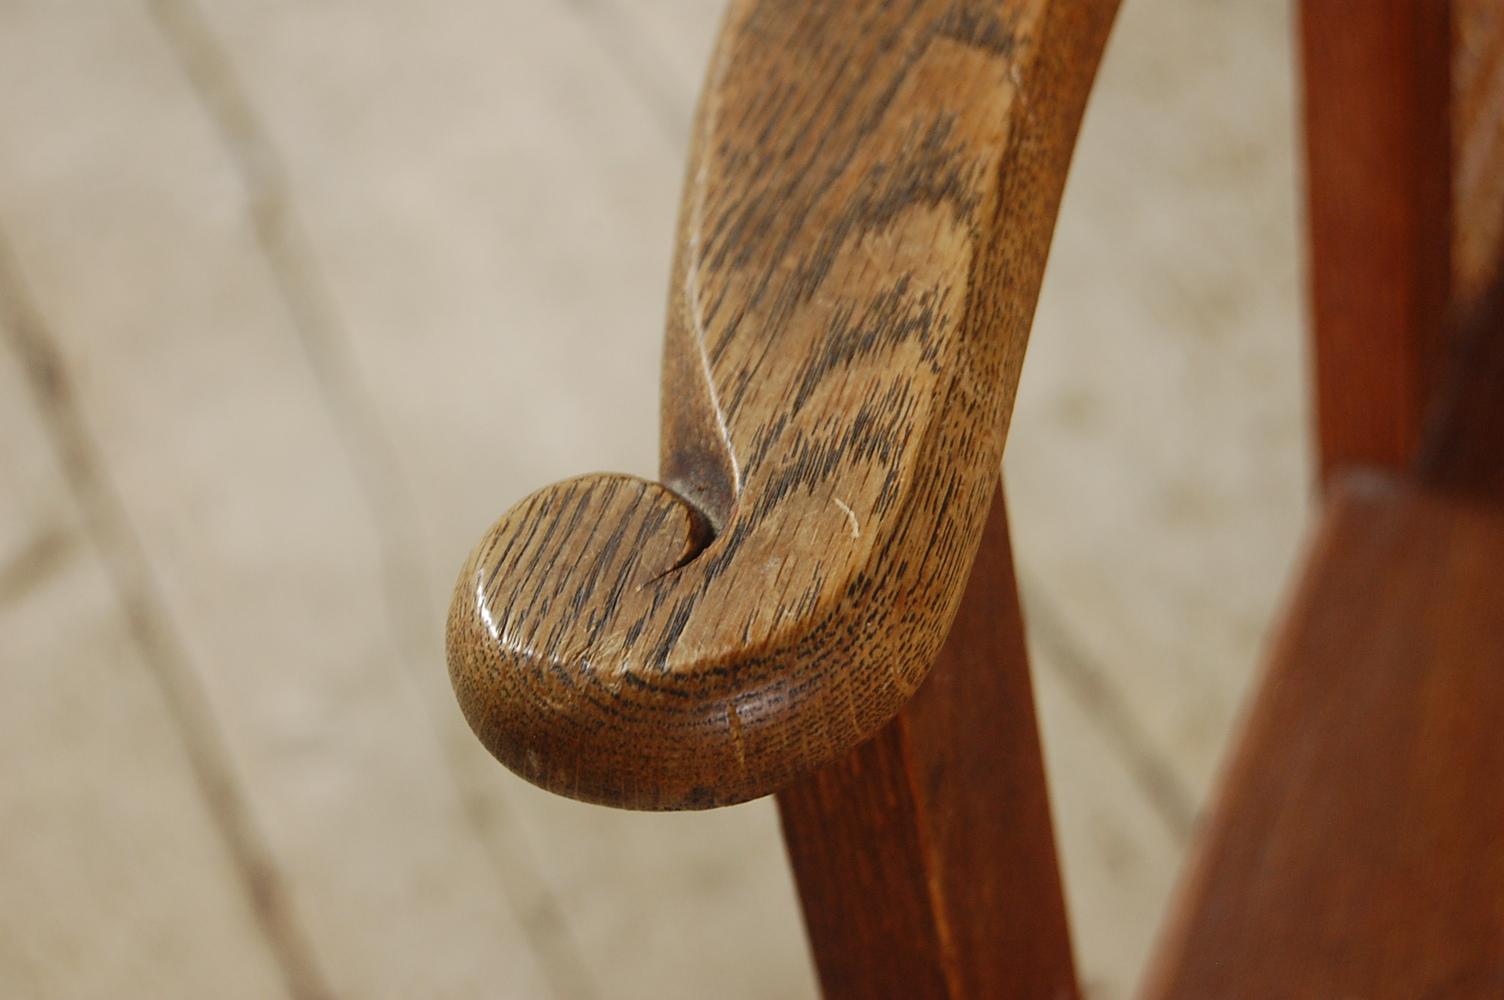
pixel 870 198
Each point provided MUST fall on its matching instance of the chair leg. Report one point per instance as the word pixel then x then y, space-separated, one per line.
pixel 926 859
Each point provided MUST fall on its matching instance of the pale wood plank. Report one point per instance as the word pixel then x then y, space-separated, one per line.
pixel 673 37
pixel 118 881
pixel 508 218
pixel 132 231
pixel 1158 441
pixel 1117 861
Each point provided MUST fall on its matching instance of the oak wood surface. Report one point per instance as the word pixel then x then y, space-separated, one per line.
pixel 1377 93
pixel 926 858
pixel 1355 847
pixel 1352 849
pixel 867 214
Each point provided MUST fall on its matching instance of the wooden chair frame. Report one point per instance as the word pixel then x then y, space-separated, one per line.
pixel 868 209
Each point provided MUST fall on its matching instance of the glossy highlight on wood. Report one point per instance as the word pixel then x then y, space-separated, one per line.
pixel 867 213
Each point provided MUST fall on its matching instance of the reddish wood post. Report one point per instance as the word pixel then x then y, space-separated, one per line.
pixel 1464 447
pixel 1353 847
pixel 926 859
pixel 1379 179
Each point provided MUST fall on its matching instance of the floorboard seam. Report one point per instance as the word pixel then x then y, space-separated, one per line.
pixel 108 527
pixel 285 248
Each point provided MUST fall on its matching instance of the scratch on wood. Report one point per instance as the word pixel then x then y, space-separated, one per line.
pixel 856 527
pixel 734 720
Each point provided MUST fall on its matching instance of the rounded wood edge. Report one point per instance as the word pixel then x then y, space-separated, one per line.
pixel 555 673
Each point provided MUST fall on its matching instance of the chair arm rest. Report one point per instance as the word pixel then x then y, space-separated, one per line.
pixel 870 198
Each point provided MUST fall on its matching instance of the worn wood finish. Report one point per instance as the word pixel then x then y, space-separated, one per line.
pixel 869 203
pixel 943 817
pixel 1355 850
pixel 1379 185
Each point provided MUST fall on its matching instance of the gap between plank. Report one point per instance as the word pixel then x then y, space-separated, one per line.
pixel 282 243
pixel 108 527
pixel 1168 797
pixel 350 405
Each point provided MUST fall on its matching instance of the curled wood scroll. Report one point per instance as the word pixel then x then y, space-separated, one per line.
pixel 867 213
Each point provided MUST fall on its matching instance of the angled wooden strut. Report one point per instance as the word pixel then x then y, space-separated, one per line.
pixel 870 197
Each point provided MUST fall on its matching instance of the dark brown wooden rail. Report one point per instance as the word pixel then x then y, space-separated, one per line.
pixel 870 198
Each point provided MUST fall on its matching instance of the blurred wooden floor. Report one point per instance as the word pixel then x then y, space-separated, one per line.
pixel 295 297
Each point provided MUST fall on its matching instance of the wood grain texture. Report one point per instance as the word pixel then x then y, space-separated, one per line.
pixel 1355 849
pixel 1379 182
pixel 944 818
pixel 867 213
